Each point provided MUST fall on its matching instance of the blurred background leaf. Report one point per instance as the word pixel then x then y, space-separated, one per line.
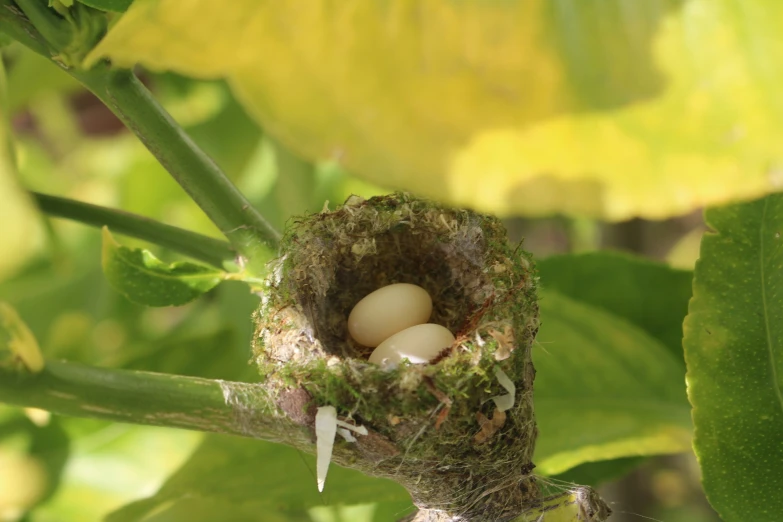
pixel 246 478
pixel 324 113
pixel 32 458
pixel 652 296
pixel 22 231
pixel 601 108
pixel 604 389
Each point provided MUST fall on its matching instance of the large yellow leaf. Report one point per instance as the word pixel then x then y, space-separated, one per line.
pixel 606 108
pixel 20 225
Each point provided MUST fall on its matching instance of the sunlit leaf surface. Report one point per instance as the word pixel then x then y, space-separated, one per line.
pixel 598 107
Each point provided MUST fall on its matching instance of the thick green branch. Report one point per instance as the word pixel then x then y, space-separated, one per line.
pixel 196 172
pixel 144 398
pixel 203 248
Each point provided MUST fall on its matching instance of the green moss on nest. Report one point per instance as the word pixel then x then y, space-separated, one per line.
pixel 424 419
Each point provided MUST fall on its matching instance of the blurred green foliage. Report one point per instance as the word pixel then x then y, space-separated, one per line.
pixel 602 337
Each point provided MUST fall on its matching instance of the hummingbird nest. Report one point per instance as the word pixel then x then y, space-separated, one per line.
pixel 432 427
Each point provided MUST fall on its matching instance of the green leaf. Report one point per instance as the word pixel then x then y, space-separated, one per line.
pixel 650 295
pixel 604 389
pixel 734 351
pixel 250 476
pixel 144 279
pixel 117 6
pixel 110 464
pixel 597 107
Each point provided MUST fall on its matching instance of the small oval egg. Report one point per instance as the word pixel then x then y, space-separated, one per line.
pixel 388 310
pixel 419 344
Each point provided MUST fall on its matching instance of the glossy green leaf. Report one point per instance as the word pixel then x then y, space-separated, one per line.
pixel 117 6
pixel 734 351
pixel 605 108
pixel 604 389
pixel 245 475
pixel 144 279
pixel 650 295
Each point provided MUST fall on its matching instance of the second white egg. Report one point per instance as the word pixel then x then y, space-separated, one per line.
pixel 419 344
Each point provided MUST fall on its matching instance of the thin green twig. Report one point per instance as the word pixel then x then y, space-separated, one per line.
pixel 206 249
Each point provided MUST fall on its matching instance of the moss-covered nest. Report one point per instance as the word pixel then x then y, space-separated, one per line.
pixel 433 427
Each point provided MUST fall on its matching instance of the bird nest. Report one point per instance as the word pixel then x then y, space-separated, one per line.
pixel 433 427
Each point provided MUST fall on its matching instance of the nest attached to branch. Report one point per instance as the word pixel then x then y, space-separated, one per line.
pixel 433 427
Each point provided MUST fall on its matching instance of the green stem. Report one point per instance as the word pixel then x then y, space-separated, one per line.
pixel 49 24
pixel 142 398
pixel 201 178
pixel 15 24
pixel 203 248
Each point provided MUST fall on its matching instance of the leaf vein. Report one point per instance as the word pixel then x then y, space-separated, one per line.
pixel 770 347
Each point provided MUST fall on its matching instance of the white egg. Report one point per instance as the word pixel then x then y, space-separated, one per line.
pixel 387 311
pixel 419 344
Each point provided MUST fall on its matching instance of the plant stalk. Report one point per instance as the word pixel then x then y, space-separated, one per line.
pixel 197 173
pixel 137 397
pixel 206 249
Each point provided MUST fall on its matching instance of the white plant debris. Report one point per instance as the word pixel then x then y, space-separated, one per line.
pixel 325 431
pixel 346 434
pixel 504 402
pixel 361 430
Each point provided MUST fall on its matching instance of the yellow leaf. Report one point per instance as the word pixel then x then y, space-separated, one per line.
pixel 19 339
pixel 607 108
